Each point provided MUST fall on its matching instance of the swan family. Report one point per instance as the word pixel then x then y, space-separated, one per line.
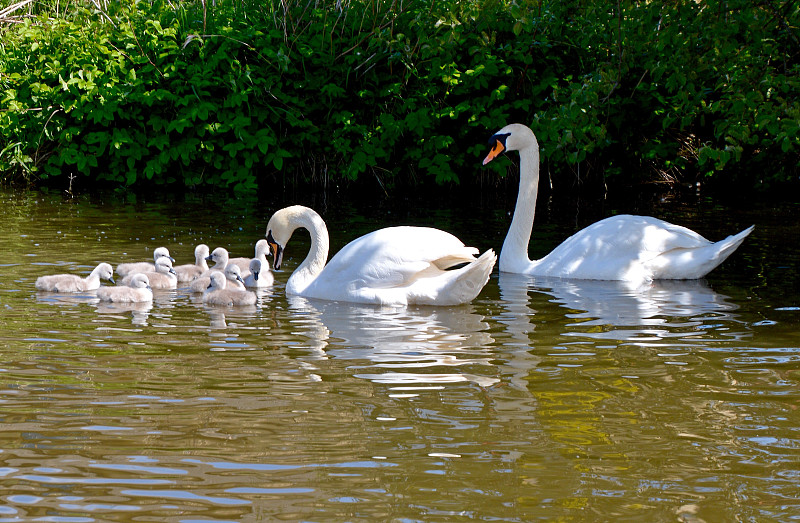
pixel 403 265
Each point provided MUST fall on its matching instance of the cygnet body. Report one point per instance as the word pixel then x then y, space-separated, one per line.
pixel 190 271
pixel 74 283
pixel 138 291
pixel 217 294
pixel 231 273
pixel 124 269
pixel 258 278
pixel 163 277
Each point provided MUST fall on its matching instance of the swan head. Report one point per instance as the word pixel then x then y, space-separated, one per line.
pixel 162 252
pixel 201 251
pixel 280 229
pixel 512 137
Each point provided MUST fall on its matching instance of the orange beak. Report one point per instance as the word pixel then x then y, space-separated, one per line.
pixel 494 153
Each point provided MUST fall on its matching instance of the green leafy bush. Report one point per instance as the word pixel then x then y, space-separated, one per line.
pixel 239 94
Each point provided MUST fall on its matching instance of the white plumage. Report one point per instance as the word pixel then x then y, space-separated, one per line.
pixel 635 249
pixel 392 266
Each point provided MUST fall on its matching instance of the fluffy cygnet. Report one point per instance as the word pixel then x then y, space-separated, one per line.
pixel 258 278
pixel 138 291
pixel 74 283
pixel 190 271
pixel 262 249
pixel 124 269
pixel 163 277
pixel 231 273
pixel 220 258
pixel 217 294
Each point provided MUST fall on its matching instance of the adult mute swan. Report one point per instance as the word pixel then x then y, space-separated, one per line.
pixel 73 282
pixel 392 266
pixel 636 249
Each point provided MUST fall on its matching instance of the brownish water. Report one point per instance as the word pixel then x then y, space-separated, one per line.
pixel 541 400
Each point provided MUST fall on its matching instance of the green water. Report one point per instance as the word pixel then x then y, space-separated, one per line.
pixel 541 400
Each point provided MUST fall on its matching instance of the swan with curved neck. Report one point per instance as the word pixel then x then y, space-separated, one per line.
pixel 392 266
pixel 631 248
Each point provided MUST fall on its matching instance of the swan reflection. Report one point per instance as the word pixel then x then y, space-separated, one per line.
pixel 399 343
pixel 614 310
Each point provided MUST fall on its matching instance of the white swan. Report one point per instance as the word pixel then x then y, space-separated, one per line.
pixel 231 272
pixel 392 266
pixel 190 271
pixel 636 249
pixel 163 277
pixel 217 294
pixel 124 269
pixel 258 278
pixel 74 283
pixel 138 291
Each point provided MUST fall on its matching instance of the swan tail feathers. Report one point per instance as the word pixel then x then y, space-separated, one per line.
pixel 464 284
pixel 688 264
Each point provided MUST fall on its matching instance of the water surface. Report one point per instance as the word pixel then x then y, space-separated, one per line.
pixel 541 400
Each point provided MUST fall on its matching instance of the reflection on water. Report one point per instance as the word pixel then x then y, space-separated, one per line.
pixel 396 341
pixel 541 400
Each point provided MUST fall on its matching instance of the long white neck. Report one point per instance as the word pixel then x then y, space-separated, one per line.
pixel 514 255
pixel 308 271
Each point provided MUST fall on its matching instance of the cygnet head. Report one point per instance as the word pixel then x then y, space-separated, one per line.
pixel 233 272
pixel 164 266
pixel 219 256
pixel 255 266
pixel 217 281
pixel 162 252
pixel 512 137
pixel 139 281
pixel 105 271
pixel 201 251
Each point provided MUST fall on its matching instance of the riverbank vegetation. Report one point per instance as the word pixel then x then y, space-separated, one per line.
pixel 243 95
